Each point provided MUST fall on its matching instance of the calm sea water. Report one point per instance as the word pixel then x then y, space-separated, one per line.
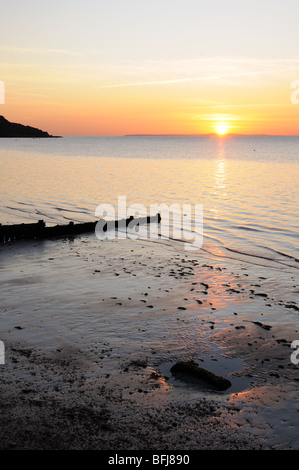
pixel 248 186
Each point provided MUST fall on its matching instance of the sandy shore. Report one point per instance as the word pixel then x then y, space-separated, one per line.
pixel 92 328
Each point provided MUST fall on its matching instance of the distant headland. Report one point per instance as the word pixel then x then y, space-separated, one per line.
pixel 211 134
pixel 12 129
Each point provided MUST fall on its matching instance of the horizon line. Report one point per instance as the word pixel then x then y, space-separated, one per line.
pixel 212 134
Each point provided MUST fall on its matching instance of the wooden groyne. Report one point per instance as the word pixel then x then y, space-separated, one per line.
pixel 39 230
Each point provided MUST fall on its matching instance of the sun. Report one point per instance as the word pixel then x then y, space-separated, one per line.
pixel 221 129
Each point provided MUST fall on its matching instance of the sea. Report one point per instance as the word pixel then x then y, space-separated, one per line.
pixel 231 203
pixel 233 196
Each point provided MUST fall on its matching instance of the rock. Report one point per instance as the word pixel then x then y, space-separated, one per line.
pixel 292 306
pixel 191 369
pixel 266 327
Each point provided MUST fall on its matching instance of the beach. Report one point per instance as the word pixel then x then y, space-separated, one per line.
pixel 178 332
pixel 91 329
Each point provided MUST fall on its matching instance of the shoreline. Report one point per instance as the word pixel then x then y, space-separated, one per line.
pixel 91 330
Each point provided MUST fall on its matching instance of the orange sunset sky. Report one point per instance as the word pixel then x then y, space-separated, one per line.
pixel 158 67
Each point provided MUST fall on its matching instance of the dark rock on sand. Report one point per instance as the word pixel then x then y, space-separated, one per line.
pixel 266 327
pixel 183 369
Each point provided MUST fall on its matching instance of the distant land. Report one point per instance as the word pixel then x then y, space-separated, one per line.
pixel 12 129
pixel 170 135
pixel 211 134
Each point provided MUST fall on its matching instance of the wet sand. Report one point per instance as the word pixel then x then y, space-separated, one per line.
pixel 91 330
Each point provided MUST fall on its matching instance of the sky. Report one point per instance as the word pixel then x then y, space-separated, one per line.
pixel 122 67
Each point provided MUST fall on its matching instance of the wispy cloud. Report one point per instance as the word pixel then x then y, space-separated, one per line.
pixel 224 69
pixel 36 50
pixel 48 51
pixel 218 117
pixel 161 82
